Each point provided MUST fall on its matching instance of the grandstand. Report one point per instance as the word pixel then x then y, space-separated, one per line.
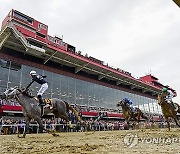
pixel 78 79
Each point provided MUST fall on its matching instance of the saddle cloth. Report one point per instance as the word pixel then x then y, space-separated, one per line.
pixel 47 101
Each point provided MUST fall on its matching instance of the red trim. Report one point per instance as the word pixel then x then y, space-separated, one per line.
pixel 92 114
pixel 118 115
pixel 96 114
pixel 11 108
pixel 1 109
pixel 156 118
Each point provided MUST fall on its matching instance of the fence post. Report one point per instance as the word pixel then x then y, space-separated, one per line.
pixel 37 129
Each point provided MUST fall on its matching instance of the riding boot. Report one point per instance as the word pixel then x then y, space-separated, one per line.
pixel 41 102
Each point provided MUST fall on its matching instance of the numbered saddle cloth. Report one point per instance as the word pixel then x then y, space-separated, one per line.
pixel 47 101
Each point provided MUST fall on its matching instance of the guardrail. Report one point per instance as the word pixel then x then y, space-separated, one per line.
pixel 64 127
pixel 16 128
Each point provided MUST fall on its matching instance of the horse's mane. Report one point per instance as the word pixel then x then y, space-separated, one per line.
pixel 26 92
pixel 161 98
pixel 125 105
pixel 18 89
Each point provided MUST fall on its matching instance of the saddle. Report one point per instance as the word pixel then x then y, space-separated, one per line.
pixel 133 110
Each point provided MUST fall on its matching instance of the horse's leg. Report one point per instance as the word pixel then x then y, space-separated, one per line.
pixel 144 116
pixel 27 126
pixel 128 122
pixel 137 119
pixel 41 127
pixel 167 120
pixel 27 119
pixel 66 117
pixel 75 112
pixel 176 121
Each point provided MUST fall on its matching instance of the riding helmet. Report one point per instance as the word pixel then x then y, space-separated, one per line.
pixel 164 89
pixel 33 73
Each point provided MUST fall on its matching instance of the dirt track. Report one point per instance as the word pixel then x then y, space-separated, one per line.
pixel 146 141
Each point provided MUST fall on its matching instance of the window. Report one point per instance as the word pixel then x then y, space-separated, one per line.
pixel 42 26
pixel 41 35
pixel 52 39
pixel 22 17
pixel 15 66
pixel 9 64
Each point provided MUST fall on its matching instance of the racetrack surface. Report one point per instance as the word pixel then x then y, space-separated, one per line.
pixel 122 141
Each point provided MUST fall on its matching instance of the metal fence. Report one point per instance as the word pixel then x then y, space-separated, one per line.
pixel 6 129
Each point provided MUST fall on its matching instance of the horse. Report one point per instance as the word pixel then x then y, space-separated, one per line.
pixel 168 110
pixel 129 114
pixel 32 110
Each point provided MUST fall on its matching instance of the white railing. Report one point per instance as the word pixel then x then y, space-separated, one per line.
pixel 52 126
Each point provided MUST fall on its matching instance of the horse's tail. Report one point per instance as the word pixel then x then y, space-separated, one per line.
pixel 69 107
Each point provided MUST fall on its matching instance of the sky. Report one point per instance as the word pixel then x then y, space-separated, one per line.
pixel 138 36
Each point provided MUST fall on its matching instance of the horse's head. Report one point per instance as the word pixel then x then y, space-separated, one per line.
pixel 162 98
pixel 10 93
pixel 120 103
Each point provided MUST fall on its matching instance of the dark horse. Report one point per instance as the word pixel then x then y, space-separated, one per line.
pixel 168 110
pixel 32 110
pixel 128 114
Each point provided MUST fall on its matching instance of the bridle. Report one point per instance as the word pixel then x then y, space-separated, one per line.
pixel 13 92
pixel 161 98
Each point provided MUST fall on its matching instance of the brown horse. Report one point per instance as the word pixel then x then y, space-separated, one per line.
pixel 129 114
pixel 32 110
pixel 168 110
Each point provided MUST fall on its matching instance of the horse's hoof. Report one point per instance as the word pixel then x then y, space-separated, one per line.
pixel 21 136
pixel 55 135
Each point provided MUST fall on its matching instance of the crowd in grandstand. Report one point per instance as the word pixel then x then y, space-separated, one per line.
pixel 11 102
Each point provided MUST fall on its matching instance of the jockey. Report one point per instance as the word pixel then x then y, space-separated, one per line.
pixel 44 86
pixel 129 102
pixel 169 96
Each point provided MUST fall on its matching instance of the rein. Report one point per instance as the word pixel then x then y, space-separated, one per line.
pixel 125 106
pixel 16 95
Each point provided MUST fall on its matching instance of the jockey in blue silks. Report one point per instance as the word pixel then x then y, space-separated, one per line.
pixel 129 102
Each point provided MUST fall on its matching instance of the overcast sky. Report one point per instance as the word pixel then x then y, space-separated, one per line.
pixel 139 36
